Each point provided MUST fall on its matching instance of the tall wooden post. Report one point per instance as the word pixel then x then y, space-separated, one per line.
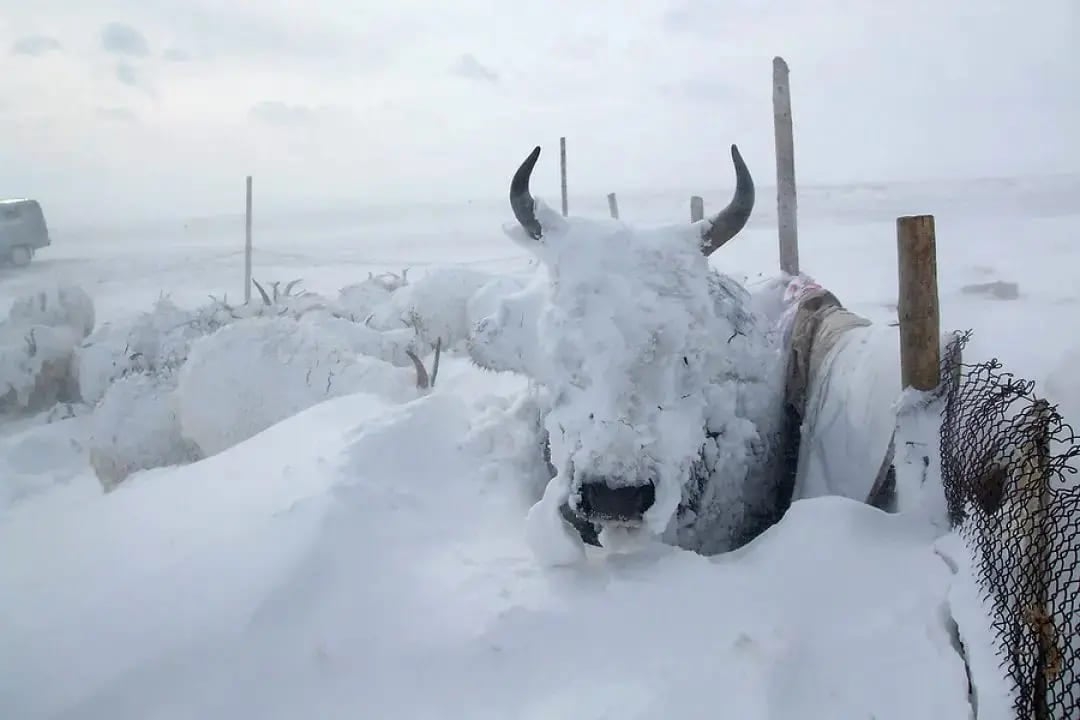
pixel 562 170
pixel 920 323
pixel 613 205
pixel 786 202
pixel 697 208
pixel 247 244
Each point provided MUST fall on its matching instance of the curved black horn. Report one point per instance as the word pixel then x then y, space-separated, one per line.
pixel 521 200
pixel 727 223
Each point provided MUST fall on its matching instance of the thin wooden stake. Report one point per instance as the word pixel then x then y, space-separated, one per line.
pixel 697 208
pixel 562 170
pixel 786 201
pixel 247 245
pixel 613 205
pixel 920 324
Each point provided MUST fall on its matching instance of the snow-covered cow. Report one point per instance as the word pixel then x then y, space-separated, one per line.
pixel 664 379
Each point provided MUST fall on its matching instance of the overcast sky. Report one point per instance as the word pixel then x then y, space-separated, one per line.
pixel 150 105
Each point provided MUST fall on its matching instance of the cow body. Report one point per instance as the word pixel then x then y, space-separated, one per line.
pixel 657 369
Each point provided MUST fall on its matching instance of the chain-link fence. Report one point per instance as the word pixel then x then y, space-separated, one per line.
pixel 1008 463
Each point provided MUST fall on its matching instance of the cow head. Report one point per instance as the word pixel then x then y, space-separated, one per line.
pixel 640 348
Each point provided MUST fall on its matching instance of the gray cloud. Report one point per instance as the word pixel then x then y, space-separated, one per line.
pixel 35 45
pixel 176 55
pixel 121 39
pixel 276 113
pixel 467 66
pixel 126 73
pixel 131 76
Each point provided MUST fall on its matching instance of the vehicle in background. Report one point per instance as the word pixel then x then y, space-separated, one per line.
pixel 22 231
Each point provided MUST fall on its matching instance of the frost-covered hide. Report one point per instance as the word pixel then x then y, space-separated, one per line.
pixel 666 383
pixel 254 373
pixel 436 307
pixel 160 340
pixel 135 427
pixel 37 343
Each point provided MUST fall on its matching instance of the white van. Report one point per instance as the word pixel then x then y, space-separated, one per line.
pixel 22 231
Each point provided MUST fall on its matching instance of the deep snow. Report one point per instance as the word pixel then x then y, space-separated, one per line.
pixel 368 557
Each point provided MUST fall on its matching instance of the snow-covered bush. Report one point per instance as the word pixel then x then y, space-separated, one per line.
pixel 135 427
pixel 254 373
pixel 37 344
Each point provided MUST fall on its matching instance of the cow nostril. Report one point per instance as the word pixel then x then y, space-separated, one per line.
pixel 598 500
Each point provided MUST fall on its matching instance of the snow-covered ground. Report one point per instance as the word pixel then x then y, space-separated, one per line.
pixel 367 556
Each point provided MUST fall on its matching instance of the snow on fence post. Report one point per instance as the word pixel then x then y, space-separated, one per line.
pixel 786 203
pixel 613 205
pixel 562 172
pixel 697 208
pixel 917 307
pixel 247 245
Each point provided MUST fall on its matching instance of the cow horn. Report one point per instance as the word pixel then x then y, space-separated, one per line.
pixel 521 200
pixel 727 223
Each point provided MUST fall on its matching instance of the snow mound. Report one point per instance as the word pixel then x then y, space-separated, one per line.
pixel 328 555
pixel 37 343
pixel 254 373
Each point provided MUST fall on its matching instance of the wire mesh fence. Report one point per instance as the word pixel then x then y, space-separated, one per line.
pixel 1008 463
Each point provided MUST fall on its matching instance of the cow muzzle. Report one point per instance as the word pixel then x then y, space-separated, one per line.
pixel 622 504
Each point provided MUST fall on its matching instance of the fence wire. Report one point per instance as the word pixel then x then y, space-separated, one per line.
pixel 1008 464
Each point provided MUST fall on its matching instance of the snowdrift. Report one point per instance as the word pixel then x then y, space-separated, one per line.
pixel 327 556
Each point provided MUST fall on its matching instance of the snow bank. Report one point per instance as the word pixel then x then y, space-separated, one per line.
pixel 347 567
pixel 37 342
pixel 254 373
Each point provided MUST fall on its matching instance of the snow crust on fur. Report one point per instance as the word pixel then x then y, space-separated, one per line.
pixel 135 427
pixel 37 341
pixel 643 349
pixel 436 306
pixel 152 408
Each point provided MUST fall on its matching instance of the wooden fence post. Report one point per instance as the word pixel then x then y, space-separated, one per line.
pixel 697 208
pixel 613 205
pixel 247 245
pixel 562 170
pixel 786 202
pixel 1038 527
pixel 920 324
